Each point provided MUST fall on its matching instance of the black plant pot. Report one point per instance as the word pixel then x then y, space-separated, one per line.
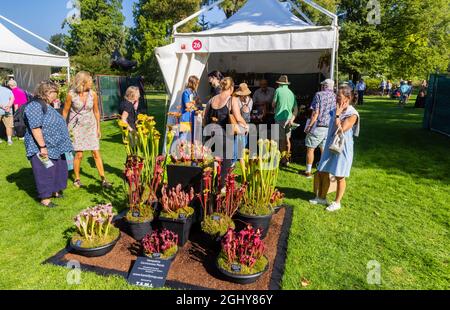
pixel 138 230
pixel 241 278
pixel 188 176
pixel 182 227
pixel 93 252
pixel 257 221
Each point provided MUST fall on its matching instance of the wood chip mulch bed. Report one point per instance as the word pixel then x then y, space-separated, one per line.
pixel 194 266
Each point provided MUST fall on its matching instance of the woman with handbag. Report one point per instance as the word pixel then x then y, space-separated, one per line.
pixel 337 158
pixel 46 142
pixel 223 112
pixel 84 124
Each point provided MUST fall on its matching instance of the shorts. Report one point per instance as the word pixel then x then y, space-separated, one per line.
pixel 317 138
pixel 285 132
pixel 8 120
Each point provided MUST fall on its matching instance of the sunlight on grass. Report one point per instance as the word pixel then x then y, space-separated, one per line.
pixel 395 211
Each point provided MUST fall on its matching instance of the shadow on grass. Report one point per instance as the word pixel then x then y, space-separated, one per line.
pixel 108 169
pixel 296 193
pixel 24 181
pixel 115 195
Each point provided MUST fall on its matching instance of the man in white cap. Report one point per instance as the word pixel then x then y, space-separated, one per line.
pixel 317 129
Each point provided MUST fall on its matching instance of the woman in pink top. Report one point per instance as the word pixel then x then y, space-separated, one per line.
pixel 19 95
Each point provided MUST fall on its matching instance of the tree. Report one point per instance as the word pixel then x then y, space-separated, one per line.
pixel 154 20
pixel 58 40
pixel 410 41
pixel 99 32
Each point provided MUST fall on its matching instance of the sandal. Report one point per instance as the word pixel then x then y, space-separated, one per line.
pixel 106 184
pixel 58 195
pixel 50 205
pixel 77 183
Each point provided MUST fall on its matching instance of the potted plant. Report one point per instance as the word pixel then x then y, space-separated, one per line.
pixel 143 174
pixel 276 201
pixel 95 234
pixel 242 257
pixel 142 199
pixel 218 213
pixel 187 161
pixel 260 172
pixel 160 245
pixel 176 214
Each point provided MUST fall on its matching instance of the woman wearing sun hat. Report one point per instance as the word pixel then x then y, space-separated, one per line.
pixel 245 105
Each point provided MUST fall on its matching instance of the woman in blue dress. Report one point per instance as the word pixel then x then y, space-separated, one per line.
pixel 345 119
pixel 189 100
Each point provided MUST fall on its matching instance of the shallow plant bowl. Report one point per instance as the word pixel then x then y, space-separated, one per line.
pixel 93 252
pixel 241 278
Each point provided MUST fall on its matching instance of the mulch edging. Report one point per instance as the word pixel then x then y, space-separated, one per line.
pixel 194 266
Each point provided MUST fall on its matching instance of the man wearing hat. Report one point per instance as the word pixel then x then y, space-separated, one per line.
pixel 285 105
pixel 317 129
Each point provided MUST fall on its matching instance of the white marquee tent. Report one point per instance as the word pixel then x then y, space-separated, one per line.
pixel 30 64
pixel 263 36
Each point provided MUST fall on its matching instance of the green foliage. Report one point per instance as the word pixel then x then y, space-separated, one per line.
pixel 99 32
pixel 186 211
pixel 217 227
pixel 154 20
pixel 145 216
pixel 260 265
pixel 58 40
pixel 96 241
pixel 412 39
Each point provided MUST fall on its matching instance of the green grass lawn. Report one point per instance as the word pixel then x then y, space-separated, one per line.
pixel 396 211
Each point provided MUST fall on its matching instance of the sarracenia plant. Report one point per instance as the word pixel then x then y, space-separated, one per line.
pixel 141 197
pixel 260 172
pixel 94 223
pixel 164 243
pixel 243 248
pixel 176 202
pixel 142 142
pixel 218 212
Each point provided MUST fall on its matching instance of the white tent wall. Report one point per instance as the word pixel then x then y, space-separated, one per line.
pixel 28 77
pixel 30 64
pixel 262 37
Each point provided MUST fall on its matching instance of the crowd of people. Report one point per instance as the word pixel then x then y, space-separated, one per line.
pixel 52 137
pixel 332 115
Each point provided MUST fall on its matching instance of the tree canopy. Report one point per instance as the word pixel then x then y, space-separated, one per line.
pixel 411 39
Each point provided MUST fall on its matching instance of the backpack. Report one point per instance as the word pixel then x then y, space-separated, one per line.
pixel 20 125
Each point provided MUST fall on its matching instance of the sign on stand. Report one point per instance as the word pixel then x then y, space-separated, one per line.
pixel 151 273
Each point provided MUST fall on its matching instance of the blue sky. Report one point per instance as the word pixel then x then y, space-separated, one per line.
pixel 45 17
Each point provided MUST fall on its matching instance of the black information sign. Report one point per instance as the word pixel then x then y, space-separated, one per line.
pixel 150 273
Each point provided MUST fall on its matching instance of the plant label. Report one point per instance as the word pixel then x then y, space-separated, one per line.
pixel 156 255
pixel 182 216
pixel 236 268
pixel 216 217
pixel 136 214
pixel 78 243
pixel 151 273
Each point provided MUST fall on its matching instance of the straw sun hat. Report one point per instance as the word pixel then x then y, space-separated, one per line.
pixel 243 90
pixel 283 80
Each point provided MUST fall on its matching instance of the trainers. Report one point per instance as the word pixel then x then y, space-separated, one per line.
pixel 307 174
pixel 318 201
pixel 334 206
pixel 10 143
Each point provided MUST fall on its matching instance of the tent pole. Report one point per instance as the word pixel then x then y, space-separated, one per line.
pixel 297 9
pixel 187 19
pixel 34 35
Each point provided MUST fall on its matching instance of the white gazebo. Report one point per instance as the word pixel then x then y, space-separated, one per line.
pixel 263 36
pixel 29 64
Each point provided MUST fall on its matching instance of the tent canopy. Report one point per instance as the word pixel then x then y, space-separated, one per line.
pixel 263 36
pixel 30 64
